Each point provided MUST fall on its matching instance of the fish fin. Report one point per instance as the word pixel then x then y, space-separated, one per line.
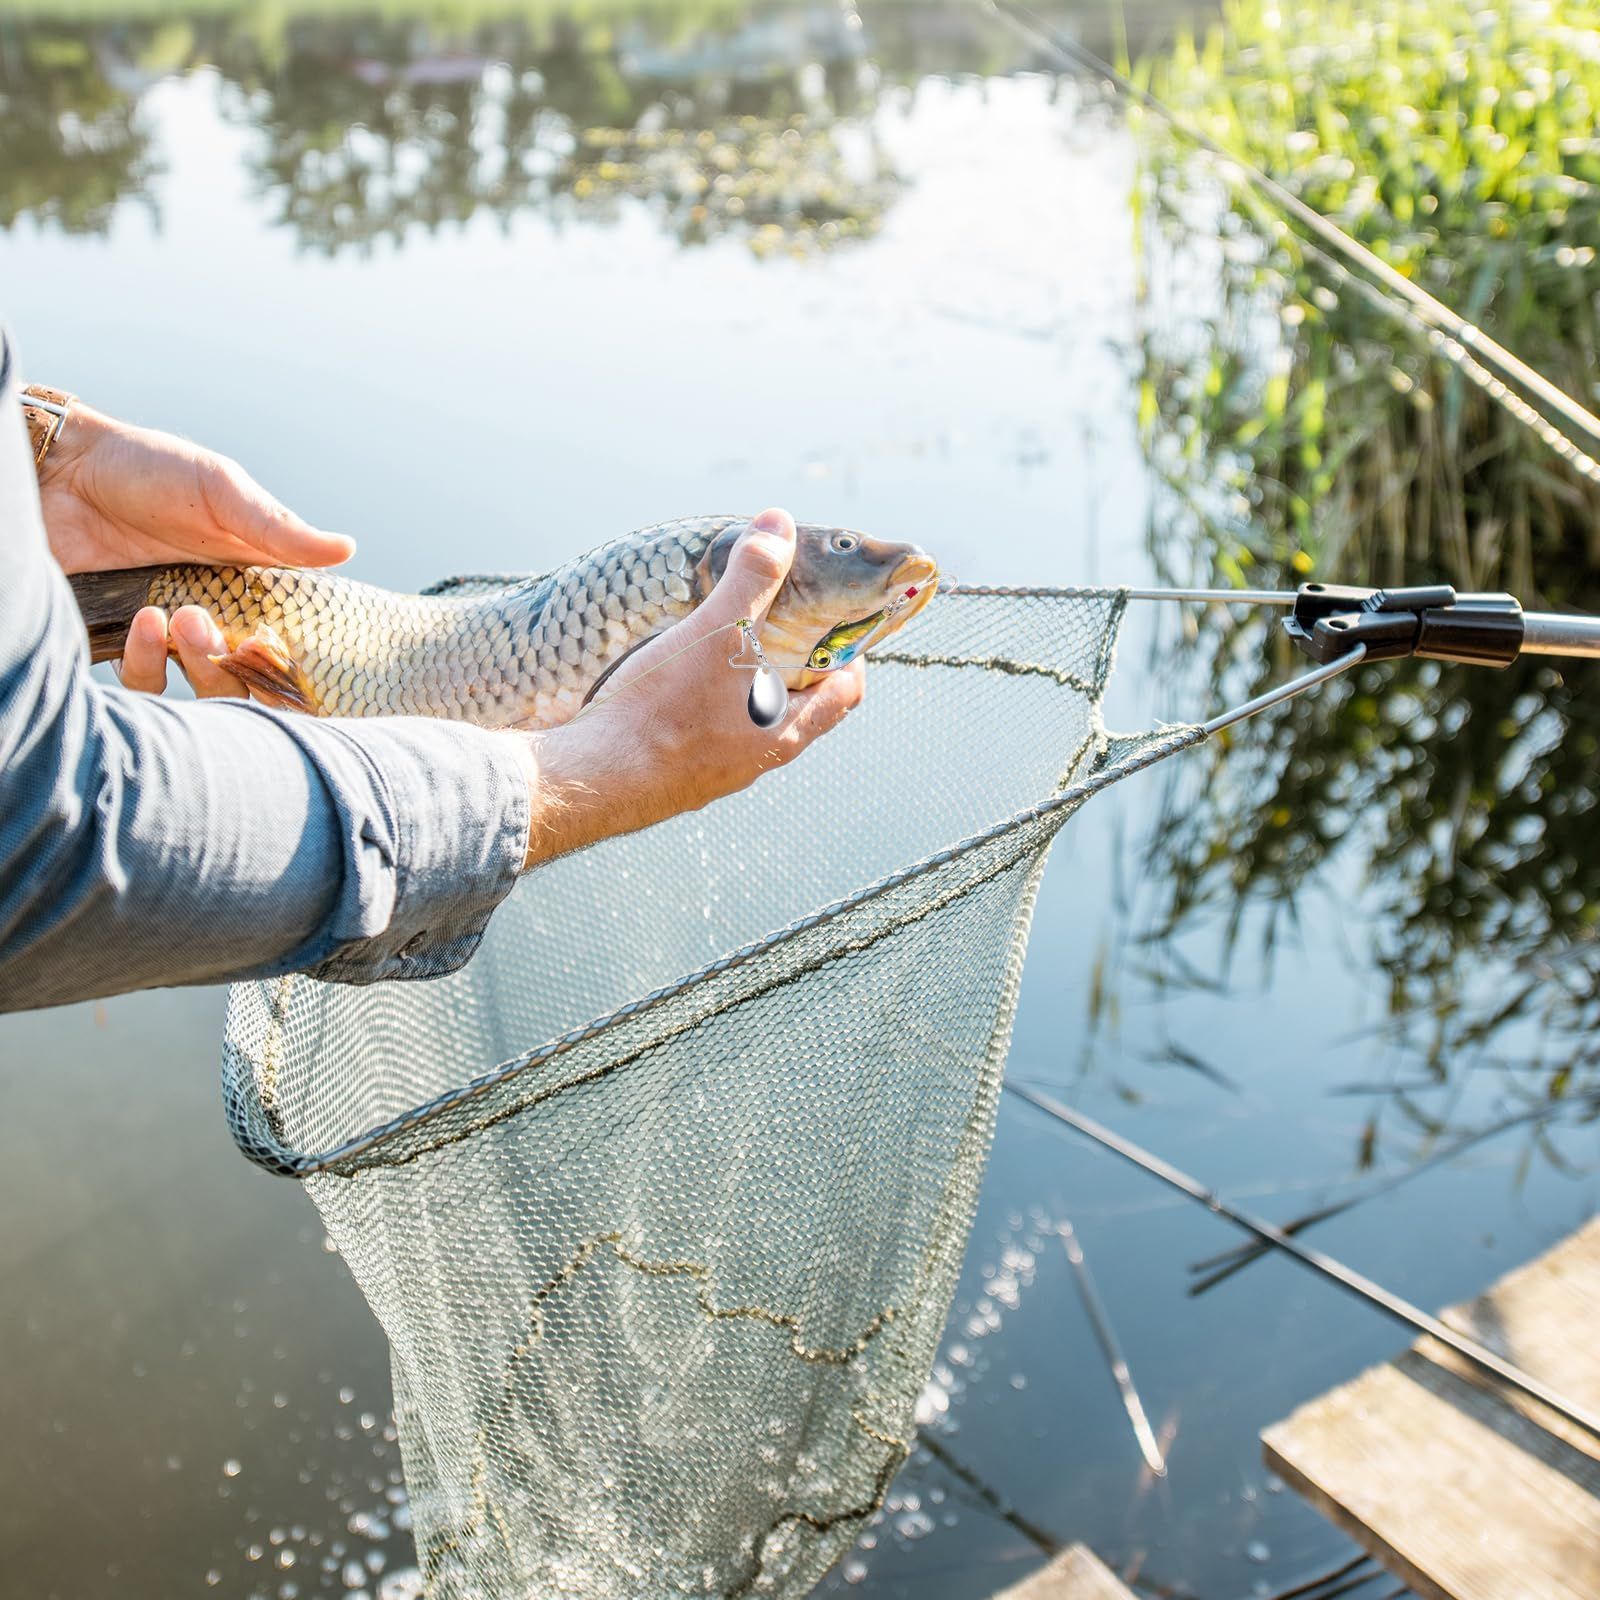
pixel 265 666
pixel 594 688
pixel 109 601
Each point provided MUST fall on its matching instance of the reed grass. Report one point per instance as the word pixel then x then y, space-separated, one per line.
pixel 1303 430
pixel 1461 145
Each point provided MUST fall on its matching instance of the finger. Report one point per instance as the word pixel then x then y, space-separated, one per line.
pixel 757 565
pixel 272 533
pixel 198 638
pixel 144 656
pixel 813 711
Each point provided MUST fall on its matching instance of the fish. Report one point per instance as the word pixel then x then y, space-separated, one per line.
pixel 530 654
pixel 849 639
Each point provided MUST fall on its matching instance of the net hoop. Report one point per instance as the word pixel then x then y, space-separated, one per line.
pixel 249 1117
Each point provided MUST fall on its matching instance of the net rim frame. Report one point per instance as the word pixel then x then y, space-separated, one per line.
pixel 250 1123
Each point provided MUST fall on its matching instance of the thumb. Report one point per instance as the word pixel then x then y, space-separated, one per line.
pixel 757 565
pixel 274 535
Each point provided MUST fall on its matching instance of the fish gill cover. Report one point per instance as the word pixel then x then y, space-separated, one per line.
pixel 662 1210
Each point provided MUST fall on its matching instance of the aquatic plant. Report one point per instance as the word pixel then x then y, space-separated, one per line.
pixel 1462 146
pixel 1299 428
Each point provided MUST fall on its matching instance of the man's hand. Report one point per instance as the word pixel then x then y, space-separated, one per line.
pixel 119 496
pixel 670 731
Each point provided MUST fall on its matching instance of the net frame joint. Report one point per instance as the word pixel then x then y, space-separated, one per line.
pixel 1432 621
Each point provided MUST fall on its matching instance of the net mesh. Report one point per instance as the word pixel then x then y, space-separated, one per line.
pixel 661 1210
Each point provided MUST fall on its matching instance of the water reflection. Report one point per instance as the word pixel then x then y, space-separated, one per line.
pixel 759 125
pixel 369 131
pixel 1296 426
pixel 70 129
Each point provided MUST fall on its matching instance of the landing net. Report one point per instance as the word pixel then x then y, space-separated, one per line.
pixel 661 1210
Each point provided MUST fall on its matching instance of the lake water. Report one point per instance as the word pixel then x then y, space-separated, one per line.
pixel 473 336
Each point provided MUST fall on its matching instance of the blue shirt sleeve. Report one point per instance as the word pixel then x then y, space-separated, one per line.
pixel 145 843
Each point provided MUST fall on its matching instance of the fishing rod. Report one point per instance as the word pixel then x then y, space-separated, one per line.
pixel 1432 311
pixel 1223 1265
pixel 1318 1261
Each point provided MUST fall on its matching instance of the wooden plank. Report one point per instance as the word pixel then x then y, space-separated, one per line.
pixel 1460 1489
pixel 1076 1574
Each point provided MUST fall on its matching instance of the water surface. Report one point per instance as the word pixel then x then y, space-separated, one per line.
pixel 471 291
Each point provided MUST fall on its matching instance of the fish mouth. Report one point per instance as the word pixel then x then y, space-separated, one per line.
pixel 916 567
pixel 908 588
pixel 920 572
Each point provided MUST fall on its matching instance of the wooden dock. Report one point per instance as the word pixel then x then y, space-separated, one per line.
pixel 1076 1574
pixel 1459 1489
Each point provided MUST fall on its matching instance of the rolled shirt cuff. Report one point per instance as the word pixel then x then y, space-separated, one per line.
pixel 438 845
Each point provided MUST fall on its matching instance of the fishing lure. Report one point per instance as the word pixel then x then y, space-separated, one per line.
pixel 841 644
pixel 769 695
pixel 837 648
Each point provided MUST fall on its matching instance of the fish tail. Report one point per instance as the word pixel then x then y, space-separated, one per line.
pixel 109 602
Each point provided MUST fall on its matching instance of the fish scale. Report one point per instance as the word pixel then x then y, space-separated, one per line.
pixel 527 655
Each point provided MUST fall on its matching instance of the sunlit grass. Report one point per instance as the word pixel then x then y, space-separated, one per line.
pixel 1462 146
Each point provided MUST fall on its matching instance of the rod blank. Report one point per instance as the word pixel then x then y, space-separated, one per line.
pixel 1318 1261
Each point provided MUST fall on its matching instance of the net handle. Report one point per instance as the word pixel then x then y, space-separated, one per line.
pixel 1543 633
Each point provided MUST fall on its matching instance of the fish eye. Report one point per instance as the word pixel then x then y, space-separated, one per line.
pixel 821 657
pixel 844 543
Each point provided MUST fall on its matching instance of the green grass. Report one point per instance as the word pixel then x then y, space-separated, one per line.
pixel 1302 430
pixel 1462 146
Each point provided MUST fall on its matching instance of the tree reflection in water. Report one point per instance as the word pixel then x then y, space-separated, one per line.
pixel 369 125
pixel 69 127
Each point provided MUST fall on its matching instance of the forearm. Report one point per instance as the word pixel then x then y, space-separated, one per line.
pixel 125 863
pixel 145 843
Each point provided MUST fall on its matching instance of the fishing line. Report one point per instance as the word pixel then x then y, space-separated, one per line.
pixel 769 697
pixel 1327 1266
pixel 771 704
pixel 1431 311
pixel 639 677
